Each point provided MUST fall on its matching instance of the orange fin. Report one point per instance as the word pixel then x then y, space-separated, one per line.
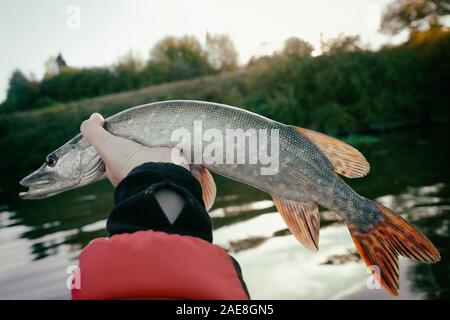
pixel 382 244
pixel 346 160
pixel 208 185
pixel 302 219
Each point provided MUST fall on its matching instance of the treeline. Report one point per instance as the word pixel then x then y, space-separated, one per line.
pixel 171 59
pixel 348 89
pixel 345 89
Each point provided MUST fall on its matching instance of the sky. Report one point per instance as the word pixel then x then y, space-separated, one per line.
pixel 96 33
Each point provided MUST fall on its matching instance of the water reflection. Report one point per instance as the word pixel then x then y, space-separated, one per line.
pixel 336 271
pixel 39 239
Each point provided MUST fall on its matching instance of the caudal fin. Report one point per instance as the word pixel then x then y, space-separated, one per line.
pixel 381 245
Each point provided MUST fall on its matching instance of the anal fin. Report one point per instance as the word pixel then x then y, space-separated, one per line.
pixel 302 219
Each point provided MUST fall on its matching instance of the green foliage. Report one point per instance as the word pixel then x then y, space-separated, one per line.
pixel 128 73
pixel 171 59
pixel 44 102
pixel 27 137
pixel 433 46
pixel 21 92
pixel 181 58
pixel 75 84
pixel 340 44
pixel 294 46
pixel 221 53
pixel 341 92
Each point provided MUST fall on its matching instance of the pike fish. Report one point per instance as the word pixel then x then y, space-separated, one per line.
pixel 310 165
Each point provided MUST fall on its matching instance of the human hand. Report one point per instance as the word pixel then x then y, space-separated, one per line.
pixel 121 155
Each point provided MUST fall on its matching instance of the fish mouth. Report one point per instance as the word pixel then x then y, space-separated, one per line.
pixel 39 183
pixel 45 188
pixel 36 190
pixel 35 195
pixel 42 184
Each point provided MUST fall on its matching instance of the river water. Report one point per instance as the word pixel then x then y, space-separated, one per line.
pixel 410 173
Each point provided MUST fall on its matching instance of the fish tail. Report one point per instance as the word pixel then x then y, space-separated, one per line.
pixel 382 243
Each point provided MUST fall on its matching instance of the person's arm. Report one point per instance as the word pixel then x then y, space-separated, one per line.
pixel 148 180
pixel 154 191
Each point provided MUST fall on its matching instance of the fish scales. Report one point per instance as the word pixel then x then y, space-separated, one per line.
pixel 300 162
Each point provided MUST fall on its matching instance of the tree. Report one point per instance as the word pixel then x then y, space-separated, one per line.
pixel 75 84
pixel 294 46
pixel 54 66
pixel 128 71
pixel 60 62
pixel 413 14
pixel 181 58
pixel 21 92
pixel 221 53
pixel 51 68
pixel 339 44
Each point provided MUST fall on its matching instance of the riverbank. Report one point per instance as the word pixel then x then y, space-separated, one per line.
pixel 340 94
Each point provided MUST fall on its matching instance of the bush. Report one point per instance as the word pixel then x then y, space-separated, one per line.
pixel 44 103
pixel 342 92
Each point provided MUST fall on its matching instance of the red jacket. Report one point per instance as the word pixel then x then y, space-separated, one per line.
pixel 156 265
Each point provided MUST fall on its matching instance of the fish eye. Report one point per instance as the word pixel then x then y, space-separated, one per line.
pixel 51 160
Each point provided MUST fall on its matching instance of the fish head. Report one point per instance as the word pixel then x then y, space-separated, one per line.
pixel 73 165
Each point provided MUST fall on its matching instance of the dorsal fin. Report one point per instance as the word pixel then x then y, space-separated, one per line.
pixel 302 219
pixel 346 160
pixel 207 182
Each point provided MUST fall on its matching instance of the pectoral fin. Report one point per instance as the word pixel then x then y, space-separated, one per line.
pixel 208 185
pixel 346 160
pixel 302 219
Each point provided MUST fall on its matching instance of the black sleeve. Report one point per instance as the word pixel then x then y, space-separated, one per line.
pixel 136 208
